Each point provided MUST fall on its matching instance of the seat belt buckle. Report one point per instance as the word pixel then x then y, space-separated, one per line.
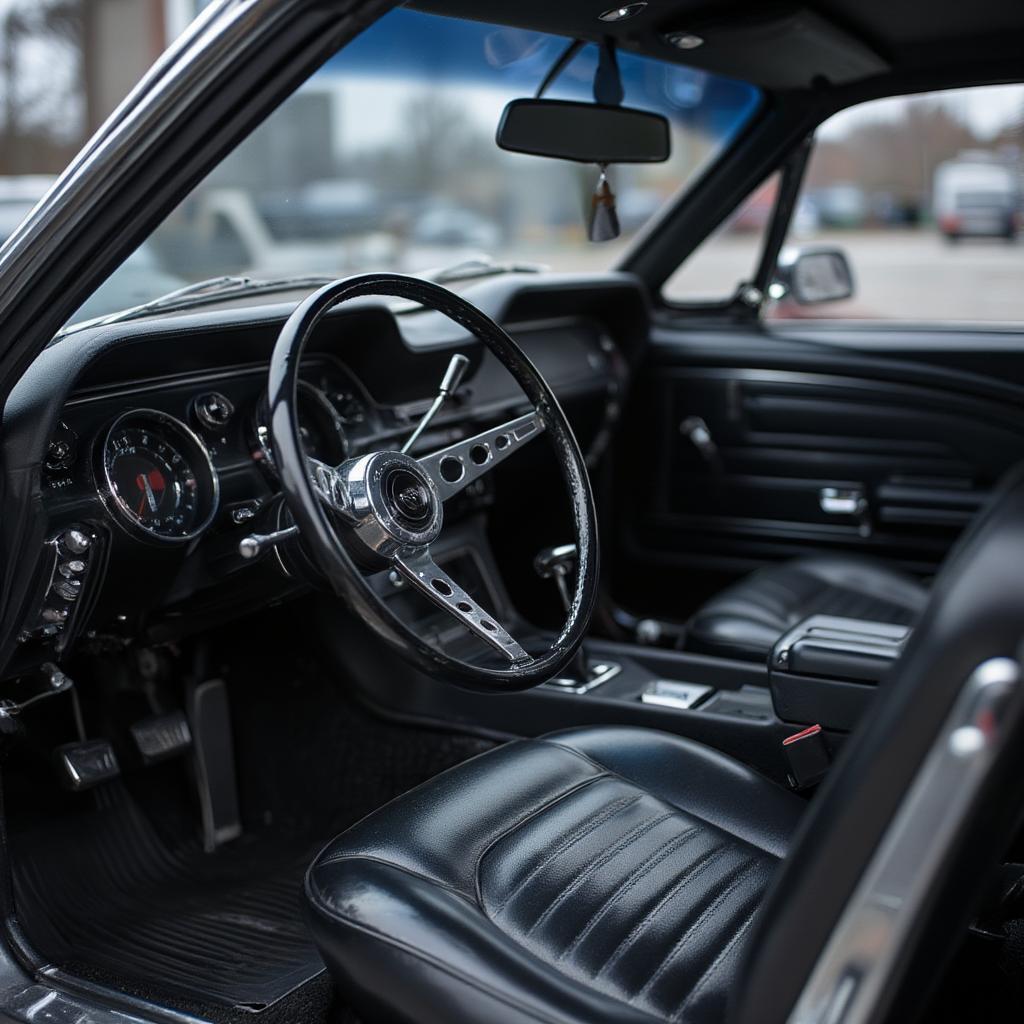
pixel 807 757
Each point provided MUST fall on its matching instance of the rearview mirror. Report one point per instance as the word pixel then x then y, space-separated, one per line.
pixel 810 276
pixel 585 132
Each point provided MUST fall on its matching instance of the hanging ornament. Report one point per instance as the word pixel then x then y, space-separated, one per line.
pixel 603 224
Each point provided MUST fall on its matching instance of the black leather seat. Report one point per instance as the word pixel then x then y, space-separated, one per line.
pixel 746 619
pixel 593 876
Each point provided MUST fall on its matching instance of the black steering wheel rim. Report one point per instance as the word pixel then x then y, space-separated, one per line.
pixel 315 523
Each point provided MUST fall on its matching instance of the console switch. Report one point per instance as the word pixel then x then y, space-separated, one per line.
pixel 667 693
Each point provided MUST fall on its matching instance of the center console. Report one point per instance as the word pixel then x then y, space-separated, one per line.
pixel 820 679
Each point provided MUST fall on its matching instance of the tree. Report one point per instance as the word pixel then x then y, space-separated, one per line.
pixel 42 80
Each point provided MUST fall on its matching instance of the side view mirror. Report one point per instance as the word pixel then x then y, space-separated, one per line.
pixel 585 132
pixel 810 276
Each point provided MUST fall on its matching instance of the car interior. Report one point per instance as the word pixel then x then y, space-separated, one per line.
pixel 323 702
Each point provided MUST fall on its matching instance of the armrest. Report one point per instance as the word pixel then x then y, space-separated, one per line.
pixel 839 648
pixel 826 669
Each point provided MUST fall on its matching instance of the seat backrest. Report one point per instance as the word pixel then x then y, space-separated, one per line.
pixel 976 613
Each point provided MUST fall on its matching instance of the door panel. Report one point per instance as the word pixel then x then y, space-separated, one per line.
pixel 811 447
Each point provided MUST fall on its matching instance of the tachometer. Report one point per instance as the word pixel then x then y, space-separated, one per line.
pixel 320 428
pixel 157 477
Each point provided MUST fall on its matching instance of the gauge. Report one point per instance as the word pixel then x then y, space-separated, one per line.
pixel 157 477
pixel 320 428
pixel 62 447
pixel 350 407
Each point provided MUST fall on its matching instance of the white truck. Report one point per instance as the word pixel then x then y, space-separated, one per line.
pixel 976 195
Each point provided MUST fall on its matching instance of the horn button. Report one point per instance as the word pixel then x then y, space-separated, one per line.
pixel 396 504
pixel 408 498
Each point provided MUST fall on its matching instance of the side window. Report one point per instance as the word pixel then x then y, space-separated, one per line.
pixel 730 255
pixel 922 196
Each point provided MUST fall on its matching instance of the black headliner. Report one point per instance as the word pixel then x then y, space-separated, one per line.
pixel 909 37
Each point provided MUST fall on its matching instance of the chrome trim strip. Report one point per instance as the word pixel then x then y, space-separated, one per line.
pixel 861 956
pixel 609 670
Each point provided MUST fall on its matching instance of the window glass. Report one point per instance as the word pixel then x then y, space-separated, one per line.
pixel 923 194
pixel 729 256
pixel 385 159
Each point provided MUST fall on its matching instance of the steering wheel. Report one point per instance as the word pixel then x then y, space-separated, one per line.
pixel 385 509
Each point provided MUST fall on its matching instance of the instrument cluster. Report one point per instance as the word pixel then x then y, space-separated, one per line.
pixel 158 468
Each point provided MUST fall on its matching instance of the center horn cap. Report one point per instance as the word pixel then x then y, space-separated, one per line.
pixel 409 498
pixel 396 503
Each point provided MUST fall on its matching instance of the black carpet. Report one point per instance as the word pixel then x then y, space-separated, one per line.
pixel 105 893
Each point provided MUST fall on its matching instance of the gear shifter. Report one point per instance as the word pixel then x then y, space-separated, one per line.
pixel 582 674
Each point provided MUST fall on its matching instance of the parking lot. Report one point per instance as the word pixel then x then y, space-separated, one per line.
pixel 903 274
pixel 919 275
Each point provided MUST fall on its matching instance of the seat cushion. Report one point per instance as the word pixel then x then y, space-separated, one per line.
pixel 746 619
pixel 595 875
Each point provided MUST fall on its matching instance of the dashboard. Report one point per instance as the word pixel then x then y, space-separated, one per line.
pixel 140 453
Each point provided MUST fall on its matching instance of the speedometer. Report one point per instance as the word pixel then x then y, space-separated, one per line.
pixel 157 477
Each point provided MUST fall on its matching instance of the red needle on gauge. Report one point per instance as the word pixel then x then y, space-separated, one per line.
pixel 148 483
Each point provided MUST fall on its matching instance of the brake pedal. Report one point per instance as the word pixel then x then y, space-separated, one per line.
pixel 82 766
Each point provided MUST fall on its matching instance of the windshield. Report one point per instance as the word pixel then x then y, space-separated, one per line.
pixel 386 159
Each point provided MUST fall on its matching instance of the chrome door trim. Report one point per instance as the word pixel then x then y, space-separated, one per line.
pixel 852 974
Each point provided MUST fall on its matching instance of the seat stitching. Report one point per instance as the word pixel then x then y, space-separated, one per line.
pixel 532 813
pixel 445 968
pixel 580 832
pixel 691 872
pixel 583 756
pixel 663 851
pixel 752 843
pixel 608 855
pixel 603 772
pixel 706 977
pixel 742 872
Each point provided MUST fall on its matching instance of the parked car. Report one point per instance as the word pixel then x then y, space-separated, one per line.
pixel 976 195
pixel 843 205
pixel 141 276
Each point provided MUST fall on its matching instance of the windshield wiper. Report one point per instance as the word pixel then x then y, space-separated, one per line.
pixel 197 294
pixel 480 266
pixel 215 288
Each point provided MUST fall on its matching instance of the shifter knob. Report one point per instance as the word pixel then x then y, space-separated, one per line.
pixel 556 563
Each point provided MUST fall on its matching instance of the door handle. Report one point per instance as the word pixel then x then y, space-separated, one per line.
pixel 847 501
pixel 840 501
pixel 699 435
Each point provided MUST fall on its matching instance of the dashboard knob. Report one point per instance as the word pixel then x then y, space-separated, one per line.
pixel 213 411
pixel 76 542
pixel 68 589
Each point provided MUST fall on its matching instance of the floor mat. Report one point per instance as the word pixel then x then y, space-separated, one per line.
pixel 109 895
pixel 112 886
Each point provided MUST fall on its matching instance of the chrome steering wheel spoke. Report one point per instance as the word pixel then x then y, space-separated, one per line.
pixel 330 486
pixel 457 466
pixel 422 572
